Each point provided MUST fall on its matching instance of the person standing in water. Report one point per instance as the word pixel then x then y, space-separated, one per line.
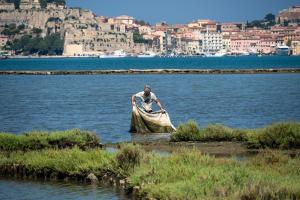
pixel 147 98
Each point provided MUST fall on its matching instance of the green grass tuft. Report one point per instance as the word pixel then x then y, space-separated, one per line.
pixel 128 157
pixel 69 162
pixel 279 135
pixel 189 131
pixel 39 140
pixel 188 174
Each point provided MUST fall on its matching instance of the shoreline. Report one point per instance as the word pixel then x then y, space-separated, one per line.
pixel 151 71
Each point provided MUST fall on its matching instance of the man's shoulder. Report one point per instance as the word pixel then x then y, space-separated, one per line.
pixel 139 94
pixel 153 96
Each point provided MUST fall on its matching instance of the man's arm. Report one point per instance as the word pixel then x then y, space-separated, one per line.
pixel 157 101
pixel 133 100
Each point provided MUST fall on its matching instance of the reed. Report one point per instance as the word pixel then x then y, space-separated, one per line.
pixel 40 140
pixel 283 135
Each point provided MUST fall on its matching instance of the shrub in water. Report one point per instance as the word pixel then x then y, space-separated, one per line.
pixel 187 132
pixel 280 135
pixel 129 156
pixel 217 132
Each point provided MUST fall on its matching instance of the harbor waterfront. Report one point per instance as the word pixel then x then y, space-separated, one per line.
pixel 222 63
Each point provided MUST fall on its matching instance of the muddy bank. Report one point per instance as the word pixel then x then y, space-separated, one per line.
pixel 218 149
pixel 106 179
pixel 154 71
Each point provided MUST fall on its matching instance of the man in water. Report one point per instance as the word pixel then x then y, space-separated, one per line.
pixel 147 98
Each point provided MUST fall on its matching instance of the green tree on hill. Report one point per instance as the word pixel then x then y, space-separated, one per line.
pixel 49 45
pixel 270 17
pixel 11 29
pixel 267 22
pixel 138 38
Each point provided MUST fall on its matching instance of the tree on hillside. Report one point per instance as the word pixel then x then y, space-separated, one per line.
pixel 142 22
pixel 138 38
pixel 27 45
pixel 269 17
pixel 43 3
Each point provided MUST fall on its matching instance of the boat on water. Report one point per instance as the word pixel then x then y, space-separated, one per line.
pixel 218 54
pixel 115 54
pixel 282 50
pixel 147 55
pixel 3 57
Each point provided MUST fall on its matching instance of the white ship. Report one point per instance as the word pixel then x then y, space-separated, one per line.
pixel 282 50
pixel 115 54
pixel 218 54
pixel 147 55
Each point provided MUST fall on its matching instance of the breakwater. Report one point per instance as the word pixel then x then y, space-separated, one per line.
pixel 152 71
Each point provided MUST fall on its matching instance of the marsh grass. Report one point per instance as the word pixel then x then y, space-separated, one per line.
pixel 39 140
pixel 282 135
pixel 128 157
pixel 188 174
pixel 67 162
pixel 185 174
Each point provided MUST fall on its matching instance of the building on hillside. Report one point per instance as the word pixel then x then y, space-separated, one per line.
pixel 212 42
pixel 124 19
pixel 29 4
pixel 55 6
pixel 226 42
pixel 291 14
pixel 243 45
pixel 190 47
pixel 3 41
pixel 266 46
pixel 96 42
pixel 145 30
pixel 295 46
pixel 232 27
pixel 4 6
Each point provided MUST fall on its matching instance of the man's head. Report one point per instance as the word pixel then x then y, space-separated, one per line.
pixel 147 90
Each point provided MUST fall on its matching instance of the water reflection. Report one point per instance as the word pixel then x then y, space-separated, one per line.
pixel 25 189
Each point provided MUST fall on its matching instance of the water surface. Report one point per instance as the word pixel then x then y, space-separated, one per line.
pixel 241 62
pixel 101 103
pixel 25 189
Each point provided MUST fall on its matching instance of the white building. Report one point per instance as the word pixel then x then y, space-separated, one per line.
pixel 7 6
pixel 124 19
pixel 212 42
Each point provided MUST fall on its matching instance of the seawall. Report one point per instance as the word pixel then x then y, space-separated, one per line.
pixel 151 71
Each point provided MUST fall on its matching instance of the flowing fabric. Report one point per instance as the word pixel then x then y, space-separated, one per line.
pixel 154 122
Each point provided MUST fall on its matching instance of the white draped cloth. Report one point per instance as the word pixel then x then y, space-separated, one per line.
pixel 154 122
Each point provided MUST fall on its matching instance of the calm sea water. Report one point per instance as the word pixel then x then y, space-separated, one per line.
pixel 25 190
pixel 242 62
pixel 101 103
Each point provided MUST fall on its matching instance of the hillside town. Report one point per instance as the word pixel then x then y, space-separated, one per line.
pixel 76 32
